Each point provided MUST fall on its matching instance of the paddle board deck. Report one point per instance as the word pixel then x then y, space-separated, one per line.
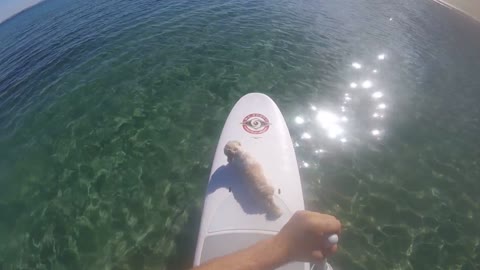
pixel 232 219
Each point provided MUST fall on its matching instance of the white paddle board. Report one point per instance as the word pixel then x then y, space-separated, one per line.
pixel 232 220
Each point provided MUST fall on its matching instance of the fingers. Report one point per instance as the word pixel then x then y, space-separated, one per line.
pixel 320 254
pixel 330 250
pixel 325 224
pixel 308 233
pixel 317 256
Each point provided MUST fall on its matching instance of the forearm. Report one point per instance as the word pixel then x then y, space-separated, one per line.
pixel 265 255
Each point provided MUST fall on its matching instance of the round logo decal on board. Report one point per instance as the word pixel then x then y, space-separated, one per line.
pixel 256 123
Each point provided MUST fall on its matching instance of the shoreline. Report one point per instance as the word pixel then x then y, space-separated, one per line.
pixel 20 11
pixel 462 6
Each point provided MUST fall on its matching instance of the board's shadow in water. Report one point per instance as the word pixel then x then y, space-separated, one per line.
pixel 227 176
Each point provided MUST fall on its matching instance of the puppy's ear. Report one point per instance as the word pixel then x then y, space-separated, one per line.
pixel 229 151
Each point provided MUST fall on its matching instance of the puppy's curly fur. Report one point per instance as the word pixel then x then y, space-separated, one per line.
pixel 254 175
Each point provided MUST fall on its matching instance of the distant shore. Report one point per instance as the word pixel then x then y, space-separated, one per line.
pixel 469 7
pixel 11 11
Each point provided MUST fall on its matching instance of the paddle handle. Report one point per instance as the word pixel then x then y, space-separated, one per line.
pixel 331 240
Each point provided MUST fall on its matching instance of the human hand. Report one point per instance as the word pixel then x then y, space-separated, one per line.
pixel 304 237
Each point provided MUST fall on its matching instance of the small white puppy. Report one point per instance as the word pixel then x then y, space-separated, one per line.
pixel 254 175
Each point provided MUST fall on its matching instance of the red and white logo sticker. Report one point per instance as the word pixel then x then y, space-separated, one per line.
pixel 256 123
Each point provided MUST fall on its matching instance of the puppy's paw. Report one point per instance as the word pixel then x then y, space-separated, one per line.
pixel 274 212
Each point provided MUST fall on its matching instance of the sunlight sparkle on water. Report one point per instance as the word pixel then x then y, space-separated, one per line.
pixel 356 65
pixel 306 136
pixel 353 85
pixel 367 84
pixel 381 56
pixel 329 122
pixel 377 95
pixel 382 106
pixel 299 120
pixel 375 132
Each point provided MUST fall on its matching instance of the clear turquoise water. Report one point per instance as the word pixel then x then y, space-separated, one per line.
pixel 110 112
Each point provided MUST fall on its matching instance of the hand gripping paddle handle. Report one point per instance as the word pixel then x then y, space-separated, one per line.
pixel 329 241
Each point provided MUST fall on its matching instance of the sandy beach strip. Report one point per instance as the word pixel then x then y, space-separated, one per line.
pixel 469 7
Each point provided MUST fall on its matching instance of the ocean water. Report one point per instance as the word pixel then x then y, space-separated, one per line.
pixel 110 111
